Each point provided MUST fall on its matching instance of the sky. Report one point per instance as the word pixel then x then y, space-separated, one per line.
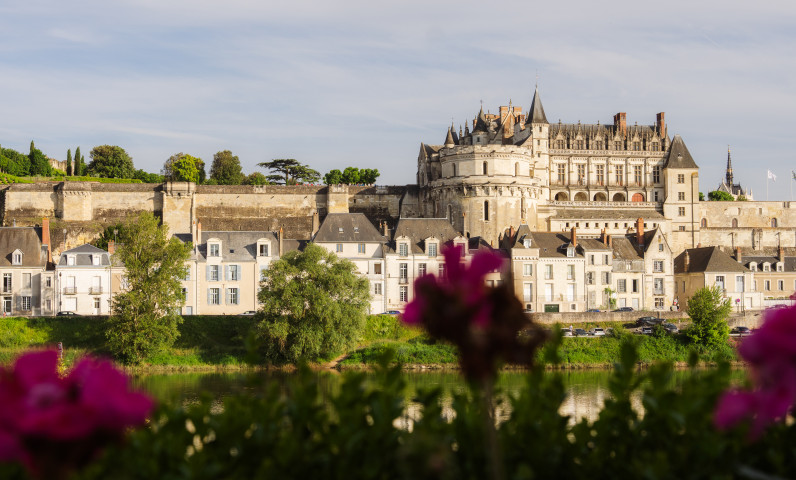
pixel 363 83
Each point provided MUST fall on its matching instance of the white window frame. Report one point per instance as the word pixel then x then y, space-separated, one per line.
pixel 213 249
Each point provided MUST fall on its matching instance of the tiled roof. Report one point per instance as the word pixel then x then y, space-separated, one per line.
pixel 347 228
pixel 25 239
pixel 83 256
pixel 550 244
pixel 707 259
pixel 238 245
pixel 419 229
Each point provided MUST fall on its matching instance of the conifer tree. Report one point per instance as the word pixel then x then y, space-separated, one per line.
pixel 78 163
pixel 69 162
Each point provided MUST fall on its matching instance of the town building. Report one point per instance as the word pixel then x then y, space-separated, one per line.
pixel 83 280
pixel 697 268
pixel 27 271
pixel 774 271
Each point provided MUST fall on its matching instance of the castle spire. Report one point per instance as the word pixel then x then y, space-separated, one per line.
pixel 449 142
pixel 729 168
pixel 536 112
pixel 480 122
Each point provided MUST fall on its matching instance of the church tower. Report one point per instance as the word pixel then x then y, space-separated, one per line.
pixel 729 168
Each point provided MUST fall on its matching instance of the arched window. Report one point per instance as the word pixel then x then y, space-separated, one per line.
pixel 581 197
pixel 734 223
pixel 561 196
pixel 485 170
pixel 773 223
pixel 704 223
pixel 486 208
pixel 619 197
pixel 599 197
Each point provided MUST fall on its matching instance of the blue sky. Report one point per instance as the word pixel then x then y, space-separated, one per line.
pixel 362 83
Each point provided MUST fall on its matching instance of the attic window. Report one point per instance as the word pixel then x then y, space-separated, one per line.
pixel 570 251
pixel 95 259
pixel 214 250
pixel 340 230
pixel 403 249
pixel 356 229
pixel 526 243
pixel 17 258
pixel 70 259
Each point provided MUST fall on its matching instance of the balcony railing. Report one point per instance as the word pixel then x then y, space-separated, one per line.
pixel 70 290
pixel 95 290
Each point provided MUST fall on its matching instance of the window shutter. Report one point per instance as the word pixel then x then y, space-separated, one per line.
pixel 208 296
pixel 226 272
pixel 226 297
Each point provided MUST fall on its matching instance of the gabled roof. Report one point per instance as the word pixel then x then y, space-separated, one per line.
pixel 417 230
pixel 83 256
pixel 347 228
pixel 237 245
pixel 25 239
pixel 707 259
pixel 536 113
pixel 550 244
pixel 523 233
pixel 679 156
pixel 624 247
pixel 592 244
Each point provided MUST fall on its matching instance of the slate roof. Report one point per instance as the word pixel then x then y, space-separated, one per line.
pixel 523 232
pixel 536 112
pixel 607 214
pixel 25 239
pixel 347 228
pixel 237 245
pixel 679 156
pixel 625 247
pixel 592 244
pixel 83 256
pixel 550 244
pixel 767 254
pixel 419 229
pixel 707 259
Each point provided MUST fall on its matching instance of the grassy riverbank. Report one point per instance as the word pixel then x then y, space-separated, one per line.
pixel 219 343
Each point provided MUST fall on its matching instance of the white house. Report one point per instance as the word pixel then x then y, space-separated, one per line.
pixel 83 280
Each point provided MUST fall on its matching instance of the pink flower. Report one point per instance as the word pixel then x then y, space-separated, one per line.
pixel 771 354
pixel 48 421
pixel 483 322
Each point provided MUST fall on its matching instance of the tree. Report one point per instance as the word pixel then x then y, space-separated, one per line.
pixel 110 161
pixel 701 197
pixel 145 316
pixel 182 167
pixel 148 177
pixel 14 163
pixel 720 196
pixel 368 176
pixel 226 169
pixel 313 305
pixel 69 162
pixel 78 170
pixel 39 164
pixel 351 176
pixel 334 177
pixel 741 198
pixel 287 171
pixel 708 310
pixel 255 178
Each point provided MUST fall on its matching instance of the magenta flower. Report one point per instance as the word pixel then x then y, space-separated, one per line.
pixel 483 322
pixel 57 424
pixel 771 354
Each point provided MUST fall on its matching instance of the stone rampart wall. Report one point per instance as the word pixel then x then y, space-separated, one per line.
pixel 573 318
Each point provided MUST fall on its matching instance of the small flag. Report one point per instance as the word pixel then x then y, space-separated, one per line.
pixel 772 176
pixel 794 174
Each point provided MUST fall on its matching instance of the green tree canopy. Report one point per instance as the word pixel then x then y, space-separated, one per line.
pixel 351 176
pixel 69 162
pixel 719 196
pixel 288 171
pixel 708 310
pixel 334 177
pixel 226 169
pixel 39 163
pixel 182 167
pixel 255 178
pixel 109 161
pixel 80 167
pixel 368 176
pixel 14 163
pixel 148 177
pixel 145 316
pixel 701 197
pixel 314 305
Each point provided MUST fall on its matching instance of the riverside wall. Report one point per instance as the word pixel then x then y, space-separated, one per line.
pixel 79 211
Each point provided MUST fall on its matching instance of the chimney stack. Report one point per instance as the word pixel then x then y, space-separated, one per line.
pixel 781 254
pixel 511 231
pixel 45 237
pixel 386 230
pixel 198 238
pixel 620 122
pixel 686 262
pixel 281 235
pixel 660 123
pixel 574 238
pixel 111 247
pixel 738 256
pixel 602 236
pixel 610 242
pixel 316 224
pixel 640 232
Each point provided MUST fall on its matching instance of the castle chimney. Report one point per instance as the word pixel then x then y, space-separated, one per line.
pixel 686 261
pixel 610 243
pixel 281 235
pixel 45 237
pixel 602 235
pixel 198 238
pixel 781 254
pixel 738 256
pixel 620 122
pixel 511 231
pixel 386 230
pixel 316 223
pixel 111 247
pixel 640 232
pixel 574 238
pixel 660 123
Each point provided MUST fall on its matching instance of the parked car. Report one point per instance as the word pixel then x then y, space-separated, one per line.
pixel 593 310
pixel 391 312
pixel 248 313
pixel 579 332
pixel 624 309
pixel 646 330
pixel 671 328
pixel 648 321
pixel 65 314
pixel 565 332
pixel 597 332
pixel 740 331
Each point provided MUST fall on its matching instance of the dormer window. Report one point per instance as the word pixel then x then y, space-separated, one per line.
pixel 16 258
pixel 526 243
pixel 753 267
pixel 356 229
pixel 95 259
pixel 263 250
pixel 432 249
pixel 70 259
pixel 570 251
pixel 214 250
pixel 403 249
pixel 766 267
pixel 779 267
pixel 340 230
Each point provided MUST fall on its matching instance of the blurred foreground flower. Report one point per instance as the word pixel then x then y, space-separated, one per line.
pixel 55 425
pixel 487 324
pixel 771 354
